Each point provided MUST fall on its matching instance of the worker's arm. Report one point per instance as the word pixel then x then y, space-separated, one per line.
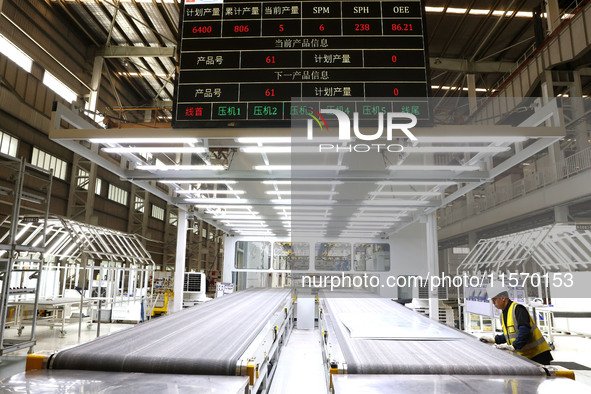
pixel 522 316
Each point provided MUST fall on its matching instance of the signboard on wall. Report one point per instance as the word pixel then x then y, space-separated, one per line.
pixel 244 61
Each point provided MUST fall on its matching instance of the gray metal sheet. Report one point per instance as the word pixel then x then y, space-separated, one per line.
pixel 457 384
pixel 464 355
pixel 83 382
pixel 206 339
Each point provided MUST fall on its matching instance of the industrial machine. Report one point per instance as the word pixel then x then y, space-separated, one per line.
pixel 240 334
pixel 194 288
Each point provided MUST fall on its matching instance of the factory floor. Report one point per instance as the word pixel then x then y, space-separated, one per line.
pixel 300 368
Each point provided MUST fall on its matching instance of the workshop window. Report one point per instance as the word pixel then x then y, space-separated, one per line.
pixel 138 204
pixel 333 256
pixel 83 179
pixel 371 257
pixel 291 255
pixel 8 144
pixel 253 255
pixel 157 212
pixel 49 162
pixel 117 194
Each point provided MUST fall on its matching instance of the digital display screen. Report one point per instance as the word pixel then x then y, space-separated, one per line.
pixel 246 61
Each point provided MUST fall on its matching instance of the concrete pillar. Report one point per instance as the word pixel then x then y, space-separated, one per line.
pixel 553 15
pixel 472 102
pixel 432 263
pixel 470 202
pixel 547 87
pixel 576 97
pixel 179 268
pixel 472 239
pixel 554 152
pixel 561 214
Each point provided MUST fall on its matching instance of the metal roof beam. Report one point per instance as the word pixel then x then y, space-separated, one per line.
pixel 347 175
pixel 465 66
pixel 129 51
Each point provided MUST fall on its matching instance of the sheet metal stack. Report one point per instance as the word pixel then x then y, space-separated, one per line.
pixel 404 342
pixel 205 340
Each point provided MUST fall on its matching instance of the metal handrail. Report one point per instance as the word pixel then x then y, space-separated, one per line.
pixel 564 169
pixel 567 13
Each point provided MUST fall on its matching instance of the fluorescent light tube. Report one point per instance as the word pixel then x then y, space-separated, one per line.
pixel 159 149
pixel 426 194
pixel 139 140
pixel 208 191
pixel 266 149
pixel 206 181
pixel 426 167
pixel 262 140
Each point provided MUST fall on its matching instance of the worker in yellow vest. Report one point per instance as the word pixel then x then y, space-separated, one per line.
pixel 520 332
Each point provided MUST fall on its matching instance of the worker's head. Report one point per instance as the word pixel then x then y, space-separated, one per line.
pixel 499 296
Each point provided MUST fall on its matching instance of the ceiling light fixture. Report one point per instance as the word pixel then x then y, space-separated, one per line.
pixel 214 200
pixel 300 167
pixel 140 140
pixel 206 181
pixel 416 183
pixel 158 149
pixel 426 167
pixel 425 194
pixel 209 191
pixel 181 167
pixel 262 140
pixel 301 192
pixel 456 149
pixel 266 149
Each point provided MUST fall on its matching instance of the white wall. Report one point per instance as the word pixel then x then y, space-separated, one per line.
pixel 408 255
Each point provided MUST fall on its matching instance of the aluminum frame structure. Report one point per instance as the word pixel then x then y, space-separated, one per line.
pixel 29 193
pixel 121 274
pixel 554 248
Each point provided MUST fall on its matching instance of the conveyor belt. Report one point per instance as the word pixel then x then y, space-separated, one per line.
pixel 456 384
pixel 207 339
pixel 464 355
pixel 85 382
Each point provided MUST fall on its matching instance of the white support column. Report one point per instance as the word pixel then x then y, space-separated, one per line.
pixel 432 264
pixel 553 15
pixel 179 268
pixel 95 82
pixel 472 102
pixel 547 87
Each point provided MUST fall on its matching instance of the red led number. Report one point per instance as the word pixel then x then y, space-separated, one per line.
pixel 241 29
pixel 394 59
pixel 361 26
pixel 281 28
pixel 202 29
pixel 395 91
pixel 270 92
pixel 321 27
pixel 270 60
pixel 401 27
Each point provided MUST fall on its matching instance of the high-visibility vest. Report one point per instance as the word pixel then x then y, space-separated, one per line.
pixel 536 343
